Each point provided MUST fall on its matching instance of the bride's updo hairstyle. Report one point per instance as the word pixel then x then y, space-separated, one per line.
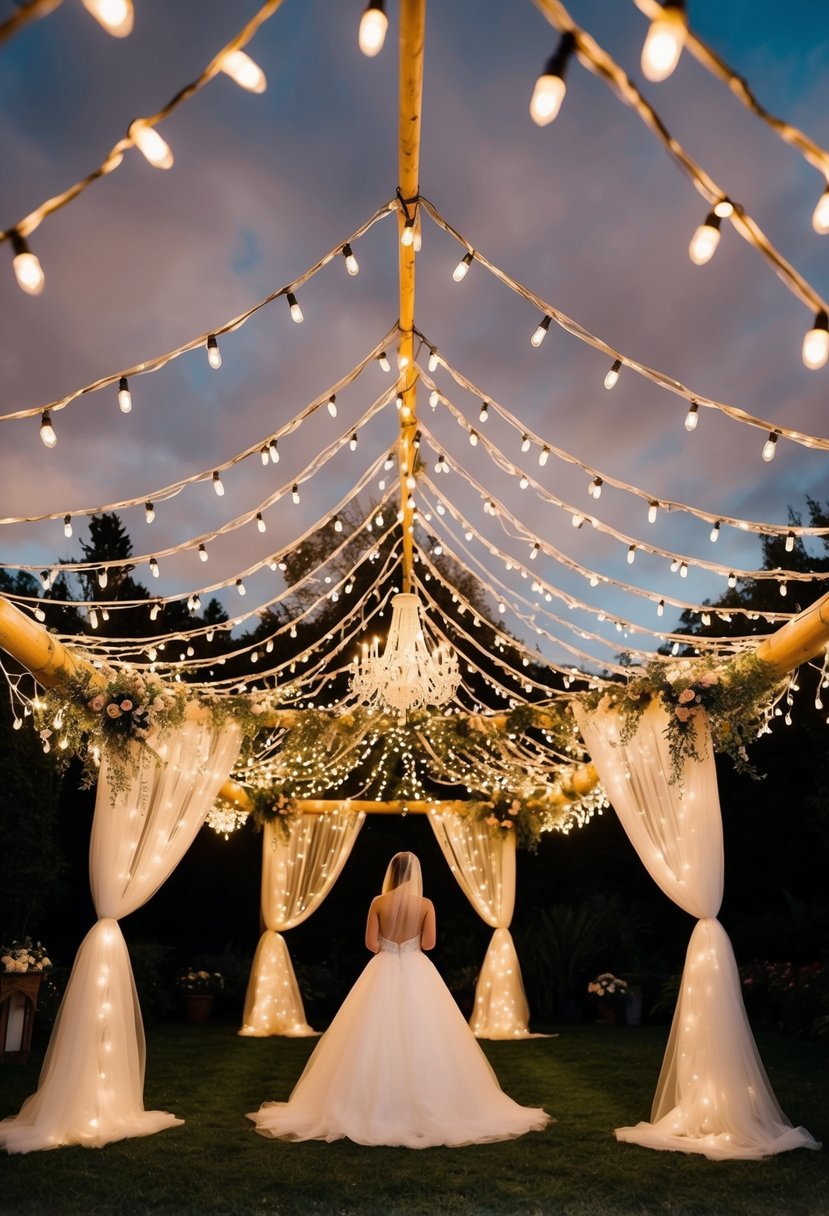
pixel 401 869
pixel 403 881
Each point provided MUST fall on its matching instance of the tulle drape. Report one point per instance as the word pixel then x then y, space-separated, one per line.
pixel 713 1096
pixel 92 1082
pixel 299 868
pixel 484 866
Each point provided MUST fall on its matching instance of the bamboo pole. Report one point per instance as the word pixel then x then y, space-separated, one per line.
pixel 798 640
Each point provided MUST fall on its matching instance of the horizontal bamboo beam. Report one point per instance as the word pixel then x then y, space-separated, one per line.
pixel 798 640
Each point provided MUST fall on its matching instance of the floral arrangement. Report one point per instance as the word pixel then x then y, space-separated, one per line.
pixel 24 956
pixel 273 805
pixel 200 981
pixel 608 985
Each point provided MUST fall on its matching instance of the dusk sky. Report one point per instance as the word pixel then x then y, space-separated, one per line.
pixel 588 213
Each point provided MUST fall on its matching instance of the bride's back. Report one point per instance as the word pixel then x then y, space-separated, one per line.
pixel 400 920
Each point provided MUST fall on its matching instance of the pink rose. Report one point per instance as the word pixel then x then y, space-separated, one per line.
pixel 113 711
pixel 708 679
pixel 686 695
pixel 682 713
pixel 126 706
pixel 97 703
pixel 492 821
pixel 507 823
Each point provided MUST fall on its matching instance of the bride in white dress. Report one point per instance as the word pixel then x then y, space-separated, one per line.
pixel 399 1065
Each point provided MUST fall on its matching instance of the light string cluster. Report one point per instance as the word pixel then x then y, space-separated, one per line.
pixel 114 16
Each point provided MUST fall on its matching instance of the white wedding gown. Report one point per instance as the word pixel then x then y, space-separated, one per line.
pixel 398 1066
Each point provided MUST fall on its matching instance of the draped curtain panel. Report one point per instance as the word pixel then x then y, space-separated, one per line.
pixel 713 1096
pixel 484 866
pixel 91 1088
pixel 299 868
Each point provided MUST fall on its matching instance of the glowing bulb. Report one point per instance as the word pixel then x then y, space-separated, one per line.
pixel 692 417
pixel 541 332
pixel 473 439
pixel 816 342
pixel 820 219
pixel 534 553
pixel 296 311
pixel 543 456
pixel 264 456
pixel 274 451
pixel 653 507
pixel 383 361
pixel 732 581
pixel 789 542
pixel 783 588
pixel 154 567
pixel 433 360
pixel 150 144
pixel 715 533
pixel 338 524
pixel 577 520
pixel 47 431
pixel 631 554
pixel 202 553
pixel 460 271
pixel 595 488
pixel 352 443
pixel 214 355
pixel 217 484
pixel 115 16
pixel 67 526
pixel 149 512
pixel 660 608
pixel 260 523
pixel 407 235
pixel 525 443
pixel 154 611
pixel 124 395
pixel 27 268
pixel 434 398
pixel 332 405
pixel 295 494
pixel 373 26
pixel 612 377
pixel 705 240
pixel 524 482
pixel 484 414
pixel 351 263
pixel 770 447
pixel 247 74
pixel 664 43
pixel 550 88
pixel 103 578
pixel 683 570
pixel 93 618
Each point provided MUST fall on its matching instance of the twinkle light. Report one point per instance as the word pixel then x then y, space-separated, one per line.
pixel 218 485
pixel 240 587
pixel 67 526
pixel 202 553
pixel 154 611
pixel 631 558
pixel 534 552
pixel 653 507
pixel 26 265
pixel 732 581
pixel 484 411
pixel 462 268
pixel 332 405
pixel 543 456
pixel 434 398
pixel 244 71
pixel 664 41
pixel 433 359
pixel 660 608
pixel 352 443
pixel 383 361
pixel 541 332
pixel 264 456
pixel 295 494
pixel 683 570
pixel 296 311
pixel 115 16
pixel 124 395
pixel 705 240
pixel 273 449
pixel 525 443
pixel 47 431
pixel 351 263
pixel 770 447
pixel 373 26
pixel 151 145
pixel 214 355
pixel 715 533
pixel 595 488
pixel 692 417
pixel 473 439
pixel 260 522
pixel 103 577
pixel 820 218
pixel 783 588
pixel 612 377
pixel 407 235
pixel 149 512
pixel 550 88
pixel 93 618
pixel 789 542
pixel 154 571
pixel 816 342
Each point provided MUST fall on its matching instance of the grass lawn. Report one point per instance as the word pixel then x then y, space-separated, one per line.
pixel 592 1078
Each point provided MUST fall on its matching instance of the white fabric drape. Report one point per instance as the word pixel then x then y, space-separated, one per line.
pixel 713 1096
pixel 298 870
pixel 484 866
pixel 91 1088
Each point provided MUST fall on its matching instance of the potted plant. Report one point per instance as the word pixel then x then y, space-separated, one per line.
pixel 21 970
pixel 198 989
pixel 609 994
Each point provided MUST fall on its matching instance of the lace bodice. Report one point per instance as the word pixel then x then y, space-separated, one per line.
pixel 407 947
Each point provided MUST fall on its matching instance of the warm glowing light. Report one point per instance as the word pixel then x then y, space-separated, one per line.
pixel 612 377
pixel 433 360
pixel 460 271
pixel 351 263
pixel 296 311
pixel 789 542
pixel 247 74
pixel 770 447
pixel 407 235
pixel 67 526
pixel 816 342
pixel 27 268
pixel 373 26
pixel 150 144
pixel 202 553
pixel 47 432
pixel 124 395
pixel 820 218
pixel 631 554
pixel 543 456
pixel 715 533
pixel 217 484
pixel 692 417
pixel 705 240
pixel 653 507
pixel 214 355
pixel 154 571
pixel 115 16
pixel 260 522
pixel 295 494
pixel 550 88
pixel 240 587
pixel 338 524
pixel 664 43
pixel 149 512
pixel 541 332
pixel 383 361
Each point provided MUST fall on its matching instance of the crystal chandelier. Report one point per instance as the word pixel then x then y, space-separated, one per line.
pixel 407 675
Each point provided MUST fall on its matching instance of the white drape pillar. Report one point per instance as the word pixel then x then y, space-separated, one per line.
pixel 713 1095
pixel 299 869
pixel 484 866
pixel 91 1088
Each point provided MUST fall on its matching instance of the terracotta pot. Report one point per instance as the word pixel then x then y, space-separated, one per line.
pixel 197 1007
pixel 607 1011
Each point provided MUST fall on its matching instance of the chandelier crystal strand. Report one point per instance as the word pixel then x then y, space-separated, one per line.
pixel 408 674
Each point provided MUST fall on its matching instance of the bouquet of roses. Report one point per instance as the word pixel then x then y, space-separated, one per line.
pixel 607 984
pixel 200 981
pixel 24 956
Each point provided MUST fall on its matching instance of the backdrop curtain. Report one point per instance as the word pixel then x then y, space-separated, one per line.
pixel 301 861
pixel 484 866
pixel 713 1095
pixel 91 1088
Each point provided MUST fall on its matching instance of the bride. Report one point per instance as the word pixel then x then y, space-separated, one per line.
pixel 399 1065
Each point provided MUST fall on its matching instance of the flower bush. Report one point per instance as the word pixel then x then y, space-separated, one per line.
pixel 24 956
pixel 200 981
pixel 789 996
pixel 608 985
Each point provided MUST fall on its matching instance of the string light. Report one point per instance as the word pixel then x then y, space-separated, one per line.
pixel 214 355
pixel 154 571
pixel 296 311
pixel 260 522
pixel 67 526
pixel 27 268
pixel 816 342
pixel 484 412
pixel 653 507
pixel 705 240
pixel 473 439
pixel 124 395
pixel 383 361
pixel 273 448
pixel 244 71
pixel 820 219
pixel 352 443
pixel 47 431
pixel 550 88
pixel 217 484
pixel 789 542
pixel 351 263
pixel 541 332
pixel 543 456
pixel 692 417
pixel 770 447
pixel 660 608
pixel 295 494
pixel 151 145
pixel 433 360
pixel 332 405
pixel 202 553
pixel 103 577
pixel 732 581
pixel 264 455
pixel 373 26
pixel 612 377
pixel 407 235
pixel 664 41
pixel 149 512
pixel 460 271
pixel 631 554
pixel 715 533
pixel 434 398
pixel 783 588
pixel 595 488
pixel 115 16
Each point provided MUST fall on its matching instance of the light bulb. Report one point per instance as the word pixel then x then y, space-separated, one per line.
pixel 296 311
pixel 715 533
pixel 154 571
pixel 407 235
pixel 217 485
pixel 660 608
pixel 612 376
pixel 383 361
pixel 274 451
pixel 664 42
pixel 783 588
pixel 820 219
pixel 484 413
pixel 433 360
pixel 47 431
pixel 631 554
pixel 332 405
pixel 338 524
pixel 595 488
pixel 27 268
pixel 295 494
pixel 473 439
pixel 692 417
pixel 541 332
pixel 115 16
pixel 525 443
pixel 434 398
pixel 46 580
pixel 150 144
pixel 460 271
pixel 264 456
pixel 550 88
pixel 240 587
pixel 770 446
pixel 247 74
pixel 149 512
pixel 816 342
pixel 534 553
pixel 124 395
pixel 577 520
pixel 260 523
pixel 214 355
pixel 373 26
pixel 543 456
pixel 67 526
pixel 705 240
pixel 653 507
pixel 154 611
pixel 789 542
pixel 683 570
pixel 103 577
pixel 732 581
pixel 202 553
pixel 351 263
pixel 93 618
pixel 352 443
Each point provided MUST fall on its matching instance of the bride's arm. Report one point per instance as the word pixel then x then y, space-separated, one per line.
pixel 373 928
pixel 429 933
